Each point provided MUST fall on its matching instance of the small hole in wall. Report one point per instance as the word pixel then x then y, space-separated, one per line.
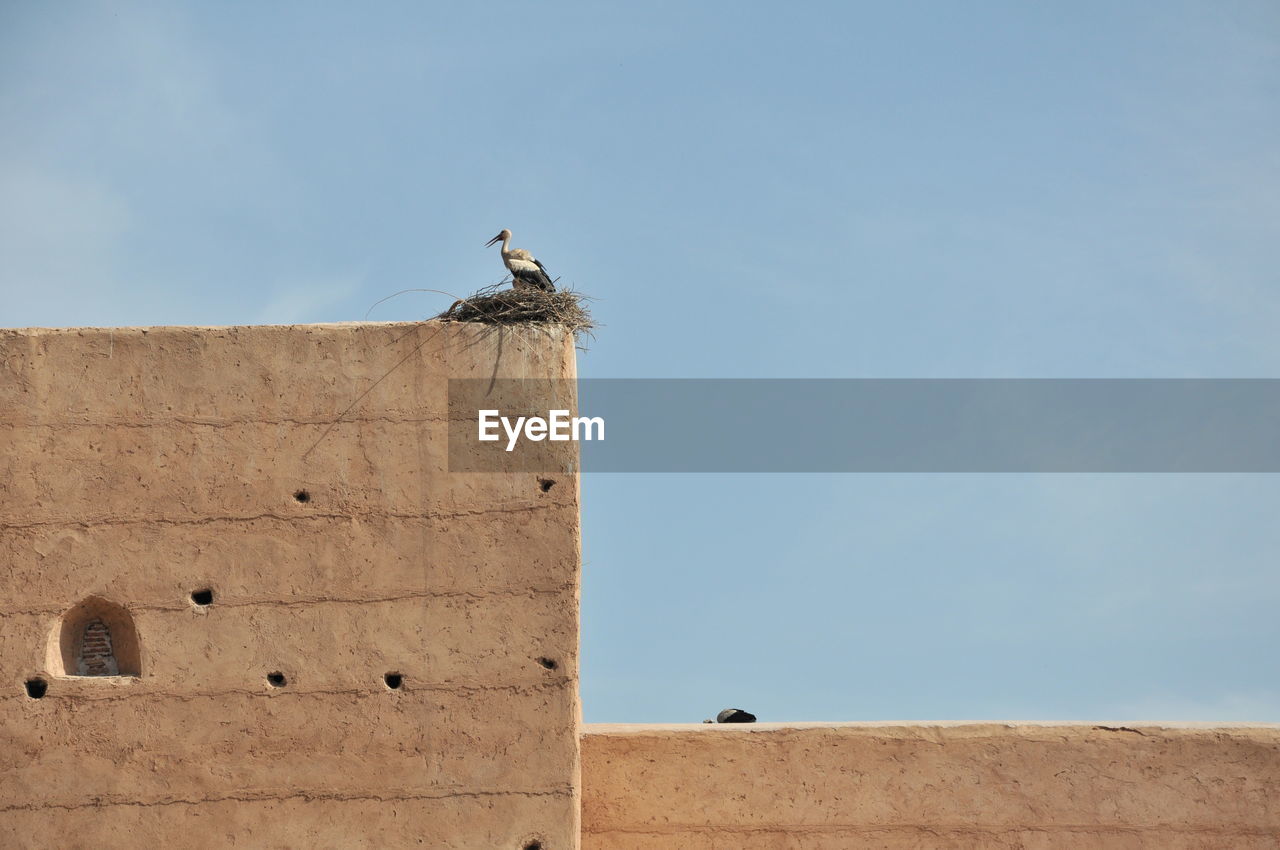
pixel 545 484
pixel 302 496
pixel 535 844
pixel 36 688
pixel 277 679
pixel 202 597
pixel 393 680
pixel 549 663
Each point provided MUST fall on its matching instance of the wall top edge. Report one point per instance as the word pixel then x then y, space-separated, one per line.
pixel 1119 725
pixel 142 329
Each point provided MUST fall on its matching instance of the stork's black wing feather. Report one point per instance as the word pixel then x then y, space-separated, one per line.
pixel 535 279
pixel 545 283
pixel 546 276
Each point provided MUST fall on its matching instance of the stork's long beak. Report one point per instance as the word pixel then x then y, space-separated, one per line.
pixel 494 241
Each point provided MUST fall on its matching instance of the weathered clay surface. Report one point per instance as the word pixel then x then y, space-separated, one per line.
pixel 929 786
pixel 140 465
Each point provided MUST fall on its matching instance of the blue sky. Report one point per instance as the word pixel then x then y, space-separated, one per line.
pixel 913 189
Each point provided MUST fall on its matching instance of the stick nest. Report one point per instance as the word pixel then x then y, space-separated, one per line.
pixel 495 305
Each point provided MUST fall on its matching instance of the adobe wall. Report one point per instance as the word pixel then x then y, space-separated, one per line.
pixel 140 465
pixel 930 786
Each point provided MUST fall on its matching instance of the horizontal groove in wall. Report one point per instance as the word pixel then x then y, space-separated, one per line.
pixel 391 417
pixel 140 693
pixel 309 516
pixel 935 831
pixel 303 602
pixel 311 796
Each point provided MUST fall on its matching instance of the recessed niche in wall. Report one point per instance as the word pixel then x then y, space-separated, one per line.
pixel 97 638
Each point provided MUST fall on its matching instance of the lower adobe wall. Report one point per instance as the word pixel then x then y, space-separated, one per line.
pixel 891 786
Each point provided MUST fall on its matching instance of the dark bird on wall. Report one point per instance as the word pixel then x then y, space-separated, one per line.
pixel 734 715
pixel 526 272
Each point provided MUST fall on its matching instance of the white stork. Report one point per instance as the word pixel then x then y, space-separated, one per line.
pixel 526 272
